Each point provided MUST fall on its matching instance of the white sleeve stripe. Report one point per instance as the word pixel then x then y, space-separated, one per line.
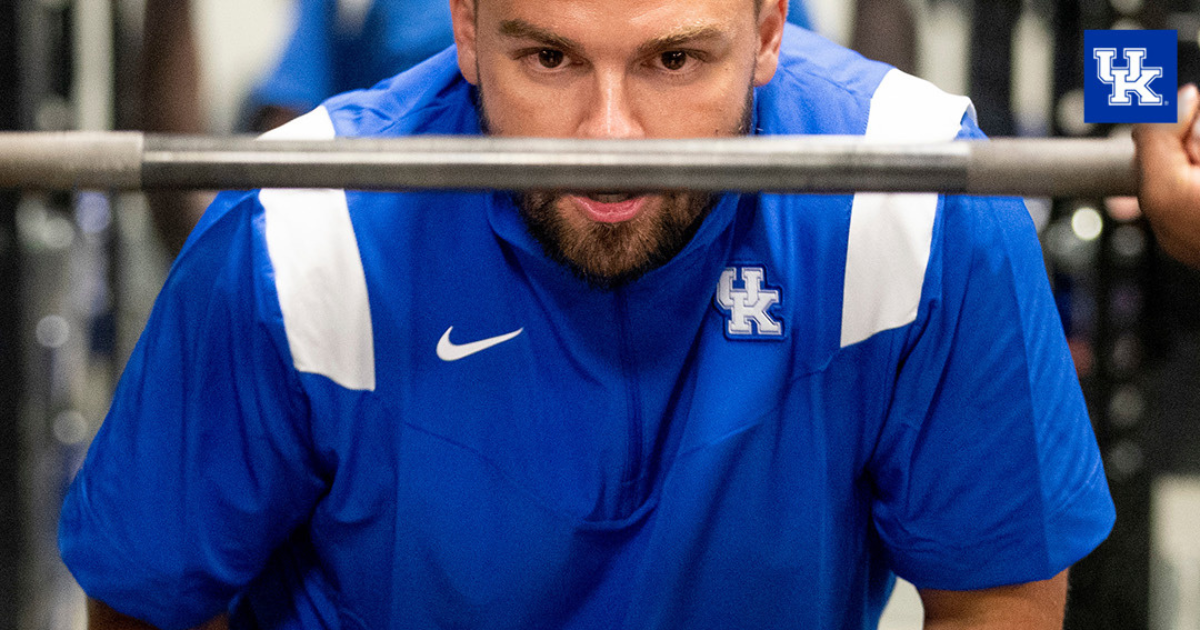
pixel 891 234
pixel 319 274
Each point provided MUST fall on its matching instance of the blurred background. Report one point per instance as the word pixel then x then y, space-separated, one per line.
pixel 79 271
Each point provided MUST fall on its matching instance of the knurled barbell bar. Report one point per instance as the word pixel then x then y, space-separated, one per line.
pixel 133 160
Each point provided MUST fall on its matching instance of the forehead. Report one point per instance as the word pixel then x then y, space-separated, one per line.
pixel 615 20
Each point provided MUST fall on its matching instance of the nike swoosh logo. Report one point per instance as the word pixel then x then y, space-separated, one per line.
pixel 449 351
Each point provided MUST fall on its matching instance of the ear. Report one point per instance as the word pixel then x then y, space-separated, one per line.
pixel 462 16
pixel 771 19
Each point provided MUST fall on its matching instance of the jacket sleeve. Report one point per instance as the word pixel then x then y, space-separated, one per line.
pixel 987 471
pixel 204 464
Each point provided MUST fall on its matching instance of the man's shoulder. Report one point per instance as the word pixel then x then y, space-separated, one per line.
pixel 810 59
pixel 429 98
pixel 821 87
pixel 818 87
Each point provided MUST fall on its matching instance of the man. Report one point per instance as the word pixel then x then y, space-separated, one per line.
pixel 1169 170
pixel 599 410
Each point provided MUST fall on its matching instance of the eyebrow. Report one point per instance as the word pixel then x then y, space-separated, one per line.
pixel 520 29
pixel 683 36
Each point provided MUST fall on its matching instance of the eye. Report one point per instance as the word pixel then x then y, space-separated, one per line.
pixel 674 59
pixel 550 58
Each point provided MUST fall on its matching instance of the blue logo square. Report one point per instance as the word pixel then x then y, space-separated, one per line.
pixel 1130 76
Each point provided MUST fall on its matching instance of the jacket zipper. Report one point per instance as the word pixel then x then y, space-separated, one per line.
pixel 631 488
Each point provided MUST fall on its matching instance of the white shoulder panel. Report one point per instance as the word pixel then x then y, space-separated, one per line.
pixel 891 234
pixel 318 272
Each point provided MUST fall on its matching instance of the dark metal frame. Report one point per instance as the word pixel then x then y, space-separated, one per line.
pixel 12 532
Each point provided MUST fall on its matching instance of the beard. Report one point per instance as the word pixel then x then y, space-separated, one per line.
pixel 611 255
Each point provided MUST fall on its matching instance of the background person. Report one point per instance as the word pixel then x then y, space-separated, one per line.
pixel 1169 186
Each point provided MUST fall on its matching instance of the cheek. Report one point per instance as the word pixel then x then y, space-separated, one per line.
pixel 517 106
pixel 703 109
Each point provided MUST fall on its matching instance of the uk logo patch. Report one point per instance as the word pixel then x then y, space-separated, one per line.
pixel 746 300
pixel 1130 76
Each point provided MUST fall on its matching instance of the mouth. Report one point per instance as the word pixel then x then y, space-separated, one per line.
pixel 610 197
pixel 609 207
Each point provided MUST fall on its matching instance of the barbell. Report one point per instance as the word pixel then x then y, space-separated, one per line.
pixel 785 164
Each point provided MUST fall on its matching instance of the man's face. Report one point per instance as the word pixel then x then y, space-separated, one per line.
pixel 616 69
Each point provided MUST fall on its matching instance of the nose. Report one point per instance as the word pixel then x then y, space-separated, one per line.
pixel 612 112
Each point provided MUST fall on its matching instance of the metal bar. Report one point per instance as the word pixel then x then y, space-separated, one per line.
pixel 71 160
pixel 1053 168
pixel 129 160
pixel 748 164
